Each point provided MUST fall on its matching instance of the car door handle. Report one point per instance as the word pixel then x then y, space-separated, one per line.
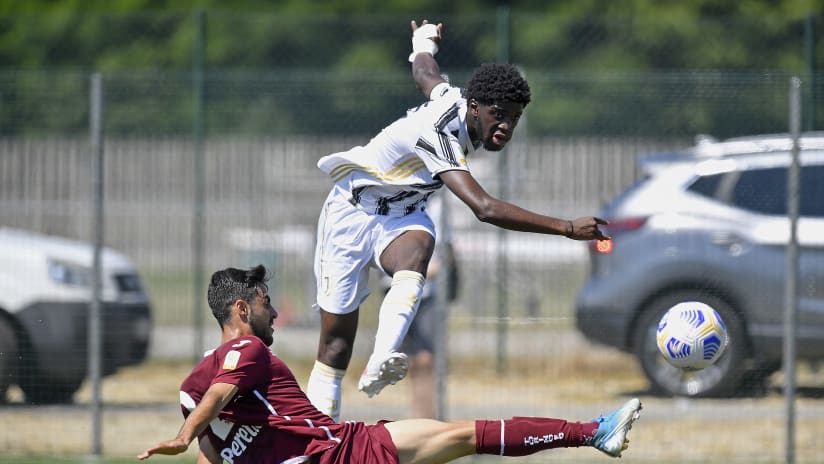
pixel 734 244
pixel 726 238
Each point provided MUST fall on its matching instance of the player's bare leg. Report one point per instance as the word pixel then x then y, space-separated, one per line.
pixel 432 441
pixel 337 337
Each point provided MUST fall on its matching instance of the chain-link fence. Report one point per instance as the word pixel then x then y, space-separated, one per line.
pixel 226 151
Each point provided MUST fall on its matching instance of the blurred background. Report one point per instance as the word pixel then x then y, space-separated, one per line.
pixel 184 135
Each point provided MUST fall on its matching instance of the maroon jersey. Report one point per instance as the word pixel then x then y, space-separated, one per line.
pixel 270 420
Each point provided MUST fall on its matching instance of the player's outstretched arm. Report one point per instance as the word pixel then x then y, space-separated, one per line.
pixel 426 39
pixel 508 216
pixel 215 398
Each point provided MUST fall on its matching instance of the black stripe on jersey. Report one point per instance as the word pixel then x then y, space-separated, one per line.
pixel 430 150
pixel 443 139
pixel 424 145
pixel 422 201
pixel 417 205
pixel 449 155
pixel 447 117
pixel 357 192
pixel 433 186
pixel 384 203
pixel 440 126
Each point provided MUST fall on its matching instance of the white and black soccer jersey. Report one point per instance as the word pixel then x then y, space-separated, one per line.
pixel 397 170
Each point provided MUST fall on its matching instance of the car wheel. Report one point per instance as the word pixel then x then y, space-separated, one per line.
pixel 721 379
pixel 756 381
pixel 8 358
pixel 42 391
pixel 41 387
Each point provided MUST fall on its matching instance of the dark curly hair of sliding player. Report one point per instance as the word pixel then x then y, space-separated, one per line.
pixel 498 83
pixel 229 285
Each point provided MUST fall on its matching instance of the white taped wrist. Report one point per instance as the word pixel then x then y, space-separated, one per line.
pixel 422 41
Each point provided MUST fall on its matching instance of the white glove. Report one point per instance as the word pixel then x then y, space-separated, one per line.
pixel 422 41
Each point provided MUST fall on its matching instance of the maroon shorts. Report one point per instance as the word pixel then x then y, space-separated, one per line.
pixel 361 444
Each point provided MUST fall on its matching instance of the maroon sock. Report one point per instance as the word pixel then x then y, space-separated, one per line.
pixel 521 436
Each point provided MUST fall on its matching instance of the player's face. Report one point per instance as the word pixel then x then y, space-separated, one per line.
pixel 496 124
pixel 262 316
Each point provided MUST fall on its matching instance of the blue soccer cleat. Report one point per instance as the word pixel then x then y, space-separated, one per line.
pixel 611 436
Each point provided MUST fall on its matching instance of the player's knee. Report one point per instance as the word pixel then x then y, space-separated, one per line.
pixel 408 255
pixel 417 260
pixel 335 352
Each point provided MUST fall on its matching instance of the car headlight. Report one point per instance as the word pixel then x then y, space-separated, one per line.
pixel 70 274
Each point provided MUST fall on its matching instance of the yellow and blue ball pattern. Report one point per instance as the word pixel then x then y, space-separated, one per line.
pixel 691 335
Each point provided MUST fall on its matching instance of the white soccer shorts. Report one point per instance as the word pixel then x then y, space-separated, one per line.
pixel 349 241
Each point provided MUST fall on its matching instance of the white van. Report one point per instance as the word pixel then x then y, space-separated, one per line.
pixel 45 294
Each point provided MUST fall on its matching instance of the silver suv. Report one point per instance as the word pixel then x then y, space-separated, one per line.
pixel 710 224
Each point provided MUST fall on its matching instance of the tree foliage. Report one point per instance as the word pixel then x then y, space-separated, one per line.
pixel 325 65
pixel 635 34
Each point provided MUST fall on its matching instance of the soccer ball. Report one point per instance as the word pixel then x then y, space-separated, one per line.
pixel 691 336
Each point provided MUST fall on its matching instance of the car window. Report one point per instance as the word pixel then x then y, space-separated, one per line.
pixel 762 191
pixel 812 191
pixel 706 185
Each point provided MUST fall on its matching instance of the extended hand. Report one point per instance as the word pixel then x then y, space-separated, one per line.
pixel 169 448
pixel 586 228
pixel 415 27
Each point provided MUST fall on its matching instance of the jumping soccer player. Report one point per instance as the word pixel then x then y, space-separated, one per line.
pixel 245 406
pixel 374 214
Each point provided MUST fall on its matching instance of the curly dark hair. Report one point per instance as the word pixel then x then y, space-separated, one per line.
pixel 498 83
pixel 231 284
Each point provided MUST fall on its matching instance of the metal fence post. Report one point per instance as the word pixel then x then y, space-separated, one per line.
pixel 198 223
pixel 809 48
pixel 94 329
pixel 791 288
pixel 441 309
pixel 502 287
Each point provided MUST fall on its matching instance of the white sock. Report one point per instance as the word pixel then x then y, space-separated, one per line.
pixel 396 312
pixel 323 389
